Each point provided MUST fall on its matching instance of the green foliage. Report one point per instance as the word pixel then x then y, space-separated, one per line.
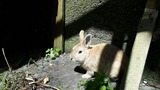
pixel 12 80
pixel 4 81
pixel 60 86
pixel 101 82
pixel 51 53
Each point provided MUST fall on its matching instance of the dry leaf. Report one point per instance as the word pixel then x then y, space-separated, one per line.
pixel 45 80
pixel 30 79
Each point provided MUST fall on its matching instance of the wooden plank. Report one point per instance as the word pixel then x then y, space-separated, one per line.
pixel 152 4
pixel 58 39
pixel 140 49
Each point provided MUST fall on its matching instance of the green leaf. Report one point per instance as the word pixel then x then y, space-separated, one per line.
pixel 52 55
pixel 48 50
pixel 109 86
pixel 105 80
pixel 52 52
pixel 47 54
pixel 103 87
pixel 58 50
pixel 83 82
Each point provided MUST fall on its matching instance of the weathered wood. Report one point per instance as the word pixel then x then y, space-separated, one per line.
pixel 140 50
pixel 152 4
pixel 58 39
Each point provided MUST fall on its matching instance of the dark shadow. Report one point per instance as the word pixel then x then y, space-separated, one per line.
pixel 152 62
pixel 27 28
pixel 111 54
pixel 79 69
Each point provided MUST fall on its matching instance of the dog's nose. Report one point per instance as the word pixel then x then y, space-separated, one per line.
pixel 71 58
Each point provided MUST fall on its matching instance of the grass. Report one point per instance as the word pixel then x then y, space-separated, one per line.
pixel 4 82
pixel 11 80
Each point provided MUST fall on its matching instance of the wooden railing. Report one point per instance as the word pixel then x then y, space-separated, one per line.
pixel 141 46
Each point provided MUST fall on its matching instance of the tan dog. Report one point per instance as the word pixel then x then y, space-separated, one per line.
pixel 103 58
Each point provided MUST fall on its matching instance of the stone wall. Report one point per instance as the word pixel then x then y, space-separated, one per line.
pixel 108 20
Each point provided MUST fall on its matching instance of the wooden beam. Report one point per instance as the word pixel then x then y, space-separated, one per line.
pixel 152 4
pixel 140 49
pixel 58 34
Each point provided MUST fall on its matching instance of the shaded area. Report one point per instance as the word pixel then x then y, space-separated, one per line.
pixel 121 17
pixel 154 48
pixel 114 56
pixel 152 63
pixel 26 28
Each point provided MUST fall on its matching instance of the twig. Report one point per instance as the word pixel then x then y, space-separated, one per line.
pixel 10 69
pixel 29 62
pixel 44 85
pixel 39 83
pixel 49 86
pixel 155 86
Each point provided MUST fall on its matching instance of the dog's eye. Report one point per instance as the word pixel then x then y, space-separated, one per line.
pixel 80 52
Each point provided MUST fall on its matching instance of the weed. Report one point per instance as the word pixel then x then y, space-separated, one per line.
pixel 60 86
pixel 101 82
pixel 11 80
pixel 51 53
pixel 3 82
